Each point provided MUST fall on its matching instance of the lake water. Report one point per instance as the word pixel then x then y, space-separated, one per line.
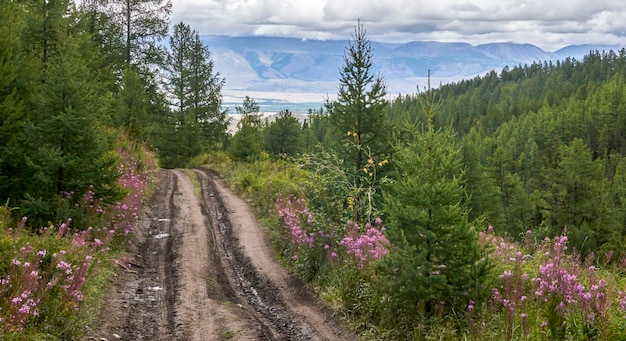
pixel 299 108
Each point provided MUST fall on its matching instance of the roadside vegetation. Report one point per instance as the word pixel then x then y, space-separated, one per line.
pixel 536 289
pixel 54 278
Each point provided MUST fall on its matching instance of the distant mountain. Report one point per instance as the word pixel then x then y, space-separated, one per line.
pixel 580 51
pixel 278 66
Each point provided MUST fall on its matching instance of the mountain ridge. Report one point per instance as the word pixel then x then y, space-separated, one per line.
pixel 290 65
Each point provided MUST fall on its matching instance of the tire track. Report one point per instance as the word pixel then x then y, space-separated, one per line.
pixel 151 308
pixel 255 294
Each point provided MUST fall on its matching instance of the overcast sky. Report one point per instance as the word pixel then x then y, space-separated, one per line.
pixel 549 24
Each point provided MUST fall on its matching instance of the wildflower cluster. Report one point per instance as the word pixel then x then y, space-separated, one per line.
pixel 136 182
pixel 44 276
pixel 559 290
pixel 359 246
pixel 298 220
pixel 368 246
pixel 48 272
pixel 550 291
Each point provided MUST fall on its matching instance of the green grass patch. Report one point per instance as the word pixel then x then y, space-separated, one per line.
pixel 197 189
pixel 228 335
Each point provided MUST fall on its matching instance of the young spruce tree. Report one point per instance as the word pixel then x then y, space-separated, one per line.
pixel 438 266
pixel 283 135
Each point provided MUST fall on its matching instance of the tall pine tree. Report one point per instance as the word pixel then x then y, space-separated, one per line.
pixel 142 23
pixel 205 98
pixel 15 80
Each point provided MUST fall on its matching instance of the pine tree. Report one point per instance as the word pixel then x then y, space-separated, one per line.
pixel 132 106
pixel 66 148
pixel 143 24
pixel 577 198
pixel 194 85
pixel 14 82
pixel 44 21
pixel 105 32
pixel 361 129
pixel 198 120
pixel 206 94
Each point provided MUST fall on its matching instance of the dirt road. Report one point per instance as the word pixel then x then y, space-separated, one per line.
pixel 202 269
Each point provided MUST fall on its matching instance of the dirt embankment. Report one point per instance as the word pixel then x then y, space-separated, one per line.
pixel 202 269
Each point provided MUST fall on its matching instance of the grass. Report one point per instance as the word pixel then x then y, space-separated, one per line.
pixel 229 334
pixel 197 189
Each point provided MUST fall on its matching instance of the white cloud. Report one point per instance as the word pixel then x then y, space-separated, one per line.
pixel 547 24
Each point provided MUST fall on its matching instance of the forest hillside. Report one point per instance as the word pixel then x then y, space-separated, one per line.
pixel 486 209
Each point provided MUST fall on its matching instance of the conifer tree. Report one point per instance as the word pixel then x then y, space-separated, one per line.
pixel 198 122
pixel 44 21
pixel 143 24
pixel 205 96
pixel 13 84
pixel 193 84
pixel 283 135
pixel 359 113
pixel 246 143
pixel 66 148
pixel 576 199
pixel 438 266
pixel 361 129
pixel 132 105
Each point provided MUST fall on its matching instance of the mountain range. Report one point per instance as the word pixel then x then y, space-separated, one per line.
pixel 277 69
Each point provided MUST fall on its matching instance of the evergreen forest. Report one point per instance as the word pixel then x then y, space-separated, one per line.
pixel 417 216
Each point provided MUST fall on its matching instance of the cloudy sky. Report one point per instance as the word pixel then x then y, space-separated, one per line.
pixel 549 24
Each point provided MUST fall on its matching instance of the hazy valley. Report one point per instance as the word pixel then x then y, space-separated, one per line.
pixel 282 71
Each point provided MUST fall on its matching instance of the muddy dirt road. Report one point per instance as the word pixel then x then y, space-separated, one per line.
pixel 202 269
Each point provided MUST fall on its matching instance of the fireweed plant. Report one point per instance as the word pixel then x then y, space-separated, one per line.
pixel 544 293
pixel 308 240
pixel 44 276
